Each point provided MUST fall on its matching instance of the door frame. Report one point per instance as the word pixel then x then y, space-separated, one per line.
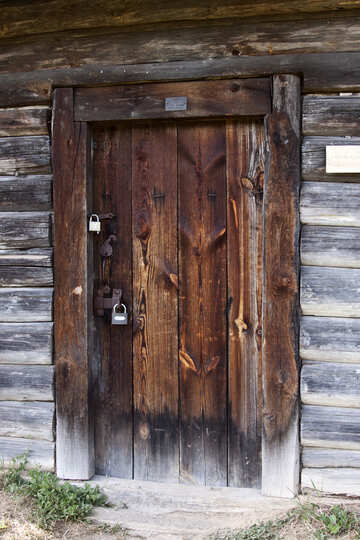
pixel 73 319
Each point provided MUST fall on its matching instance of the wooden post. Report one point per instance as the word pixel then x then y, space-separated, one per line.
pixel 280 472
pixel 74 432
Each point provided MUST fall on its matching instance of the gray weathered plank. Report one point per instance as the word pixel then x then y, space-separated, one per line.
pixel 26 383
pixel 330 246
pixel 26 305
pixel 20 121
pixel 25 193
pixel 24 230
pixel 335 481
pixel 26 276
pixel 328 203
pixel 24 155
pixel 30 420
pixel 330 457
pixel 334 115
pixel 41 257
pixel 330 339
pixel 26 343
pixel 314 158
pixel 332 384
pixel 39 453
pixel 330 427
pixel 330 292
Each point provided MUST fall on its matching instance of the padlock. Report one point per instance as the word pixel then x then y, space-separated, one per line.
pixel 94 223
pixel 119 317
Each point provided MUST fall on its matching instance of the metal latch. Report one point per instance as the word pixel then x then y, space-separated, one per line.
pixel 104 303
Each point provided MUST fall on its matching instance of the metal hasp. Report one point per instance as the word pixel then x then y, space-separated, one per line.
pixel 104 303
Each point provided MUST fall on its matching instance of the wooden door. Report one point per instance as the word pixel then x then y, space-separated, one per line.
pixel 177 391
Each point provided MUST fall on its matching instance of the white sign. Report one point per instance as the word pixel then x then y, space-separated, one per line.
pixel 343 159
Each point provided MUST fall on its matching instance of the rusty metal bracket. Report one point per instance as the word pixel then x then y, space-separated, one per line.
pixel 104 303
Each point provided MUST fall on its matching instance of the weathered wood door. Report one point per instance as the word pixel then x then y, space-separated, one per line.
pixel 177 389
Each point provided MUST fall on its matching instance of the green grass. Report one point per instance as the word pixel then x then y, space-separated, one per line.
pixel 51 500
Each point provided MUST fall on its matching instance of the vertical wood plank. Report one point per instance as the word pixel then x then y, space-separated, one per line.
pixel 245 175
pixel 70 147
pixel 280 474
pixel 112 193
pixel 155 278
pixel 202 255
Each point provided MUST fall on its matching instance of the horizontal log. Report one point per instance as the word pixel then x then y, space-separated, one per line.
pixel 26 383
pixel 335 115
pixel 26 343
pixel 25 192
pixel 24 276
pixel 314 159
pixel 330 292
pixel 330 427
pixel 30 420
pixel 330 246
pixel 39 453
pixel 334 481
pixel 330 339
pixel 330 457
pixel 332 384
pixel 42 257
pixel 24 121
pixel 25 230
pixel 326 203
pixel 24 155
pixel 26 305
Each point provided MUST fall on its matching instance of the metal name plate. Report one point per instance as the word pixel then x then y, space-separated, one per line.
pixel 343 159
pixel 176 103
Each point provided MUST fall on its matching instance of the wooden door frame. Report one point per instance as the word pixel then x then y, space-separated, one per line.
pixel 72 253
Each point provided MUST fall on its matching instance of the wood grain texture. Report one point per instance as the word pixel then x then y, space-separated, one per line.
pixel 332 384
pixel 40 453
pixel 41 257
pixel 30 420
pixel 330 457
pixel 235 97
pixel 330 246
pixel 245 176
pixel 24 230
pixel 26 304
pixel 26 343
pixel 71 147
pixel 330 427
pixel 280 446
pixel 155 302
pixel 23 276
pixel 314 159
pixel 202 297
pixel 26 383
pixel 330 339
pixel 335 481
pixel 24 155
pixel 25 193
pixel 113 376
pixel 330 292
pixel 330 204
pixel 334 115
pixel 24 121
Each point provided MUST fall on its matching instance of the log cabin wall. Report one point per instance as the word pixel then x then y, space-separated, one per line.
pixel 43 46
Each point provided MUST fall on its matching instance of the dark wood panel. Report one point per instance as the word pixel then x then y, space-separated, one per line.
pixel 314 158
pixel 245 173
pixel 70 162
pixel 24 230
pixel 26 343
pixel 334 427
pixel 234 97
pixel 27 121
pixel 281 271
pixel 26 257
pixel 202 294
pixel 25 193
pixel 335 115
pixel 24 155
pixel 32 420
pixel 155 276
pixel 330 246
pixel 23 276
pixel 40 453
pixel 26 305
pixel 114 406
pixel 26 383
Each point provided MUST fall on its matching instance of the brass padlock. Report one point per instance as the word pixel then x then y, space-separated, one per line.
pixel 119 317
